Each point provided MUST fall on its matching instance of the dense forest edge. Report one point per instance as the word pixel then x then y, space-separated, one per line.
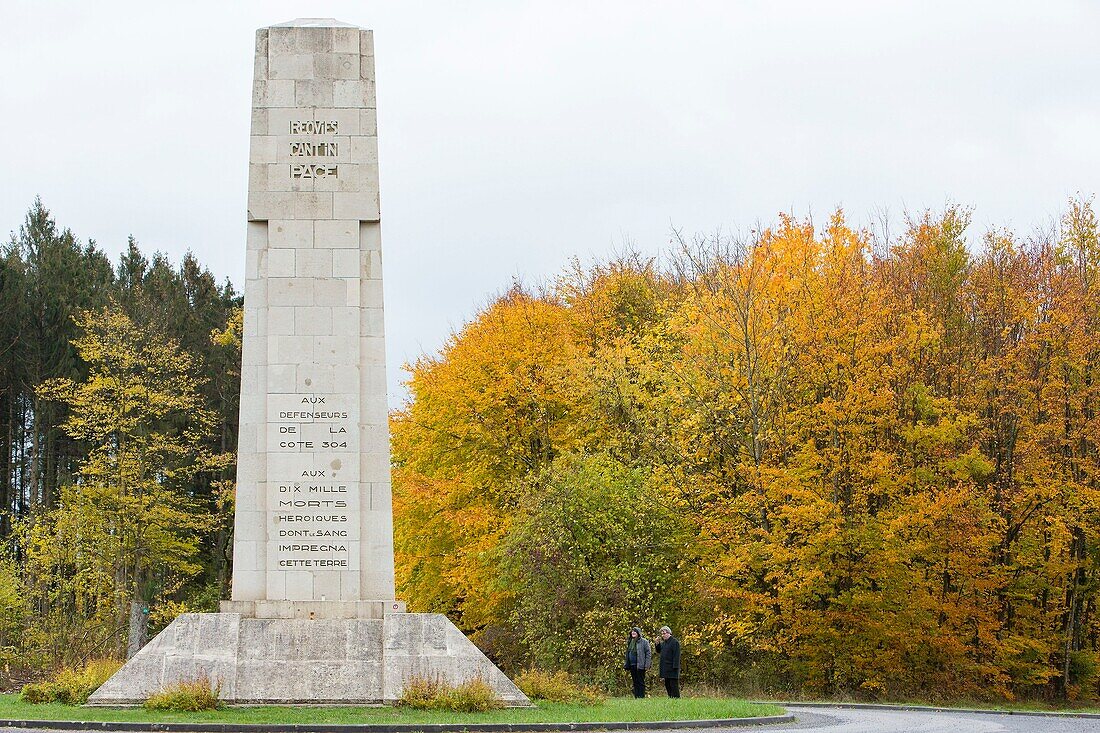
pixel 837 462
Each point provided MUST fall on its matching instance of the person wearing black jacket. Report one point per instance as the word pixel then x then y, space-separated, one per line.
pixel 669 649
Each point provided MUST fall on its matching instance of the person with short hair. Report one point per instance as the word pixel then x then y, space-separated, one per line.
pixel 669 666
pixel 639 658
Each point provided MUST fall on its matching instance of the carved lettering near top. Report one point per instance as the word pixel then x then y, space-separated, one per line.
pixel 324 149
pixel 319 150
pixel 314 127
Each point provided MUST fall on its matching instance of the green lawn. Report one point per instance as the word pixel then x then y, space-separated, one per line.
pixel 614 710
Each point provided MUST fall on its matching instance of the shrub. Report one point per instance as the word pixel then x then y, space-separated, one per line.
pixel 187 695
pixel 421 692
pixel 37 693
pixel 432 693
pixel 472 696
pixel 69 686
pixel 557 687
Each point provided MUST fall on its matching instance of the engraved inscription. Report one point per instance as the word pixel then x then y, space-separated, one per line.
pixel 314 127
pixel 314 150
pixel 312 170
pixel 314 500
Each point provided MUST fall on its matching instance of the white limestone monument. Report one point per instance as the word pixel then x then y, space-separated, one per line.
pixel 313 616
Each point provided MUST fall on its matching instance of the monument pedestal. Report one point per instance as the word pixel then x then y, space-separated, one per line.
pixel 323 660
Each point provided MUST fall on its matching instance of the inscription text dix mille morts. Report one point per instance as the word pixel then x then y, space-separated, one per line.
pixel 297 496
pixel 309 492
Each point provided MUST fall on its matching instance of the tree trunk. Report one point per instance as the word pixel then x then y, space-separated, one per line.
pixel 139 628
pixel 7 505
pixel 32 478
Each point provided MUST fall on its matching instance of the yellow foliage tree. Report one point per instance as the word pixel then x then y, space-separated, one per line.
pixel 494 409
pixel 123 532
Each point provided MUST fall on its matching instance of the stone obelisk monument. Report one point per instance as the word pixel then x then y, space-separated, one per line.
pixel 313 616
pixel 313 522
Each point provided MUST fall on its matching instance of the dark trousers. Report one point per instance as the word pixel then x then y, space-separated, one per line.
pixel 672 686
pixel 637 676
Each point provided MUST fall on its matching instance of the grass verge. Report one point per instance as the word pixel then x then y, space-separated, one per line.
pixel 614 710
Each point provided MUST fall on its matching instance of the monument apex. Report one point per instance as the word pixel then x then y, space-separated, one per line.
pixel 314 23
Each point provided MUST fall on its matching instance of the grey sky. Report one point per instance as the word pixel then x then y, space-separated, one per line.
pixel 513 136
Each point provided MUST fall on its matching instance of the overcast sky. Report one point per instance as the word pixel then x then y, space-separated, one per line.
pixel 514 136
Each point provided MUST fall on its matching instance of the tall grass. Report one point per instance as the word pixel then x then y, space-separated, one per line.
pixel 187 696
pixel 433 693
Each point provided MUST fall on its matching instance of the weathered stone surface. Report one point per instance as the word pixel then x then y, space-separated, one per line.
pixel 192 645
pixel 298 660
pixel 429 645
pixel 258 660
pixel 311 610
pixel 313 616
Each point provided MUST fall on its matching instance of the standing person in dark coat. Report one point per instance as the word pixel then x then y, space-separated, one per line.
pixel 669 649
pixel 639 658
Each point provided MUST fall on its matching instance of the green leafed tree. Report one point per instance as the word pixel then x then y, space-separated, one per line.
pixel 594 550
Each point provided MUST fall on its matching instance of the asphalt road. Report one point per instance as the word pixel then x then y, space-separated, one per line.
pixel 841 720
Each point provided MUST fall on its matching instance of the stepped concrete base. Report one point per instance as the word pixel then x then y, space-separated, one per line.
pixel 295 660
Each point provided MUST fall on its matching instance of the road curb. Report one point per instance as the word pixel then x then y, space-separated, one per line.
pixel 395 728
pixel 930 709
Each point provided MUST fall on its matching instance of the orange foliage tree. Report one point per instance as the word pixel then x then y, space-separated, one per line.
pixel 836 464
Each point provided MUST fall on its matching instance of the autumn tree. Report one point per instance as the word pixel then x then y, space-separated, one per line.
pixel 594 550
pixel 492 412
pixel 883 455
pixel 125 531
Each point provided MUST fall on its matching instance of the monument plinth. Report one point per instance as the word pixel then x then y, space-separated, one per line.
pixel 313 616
